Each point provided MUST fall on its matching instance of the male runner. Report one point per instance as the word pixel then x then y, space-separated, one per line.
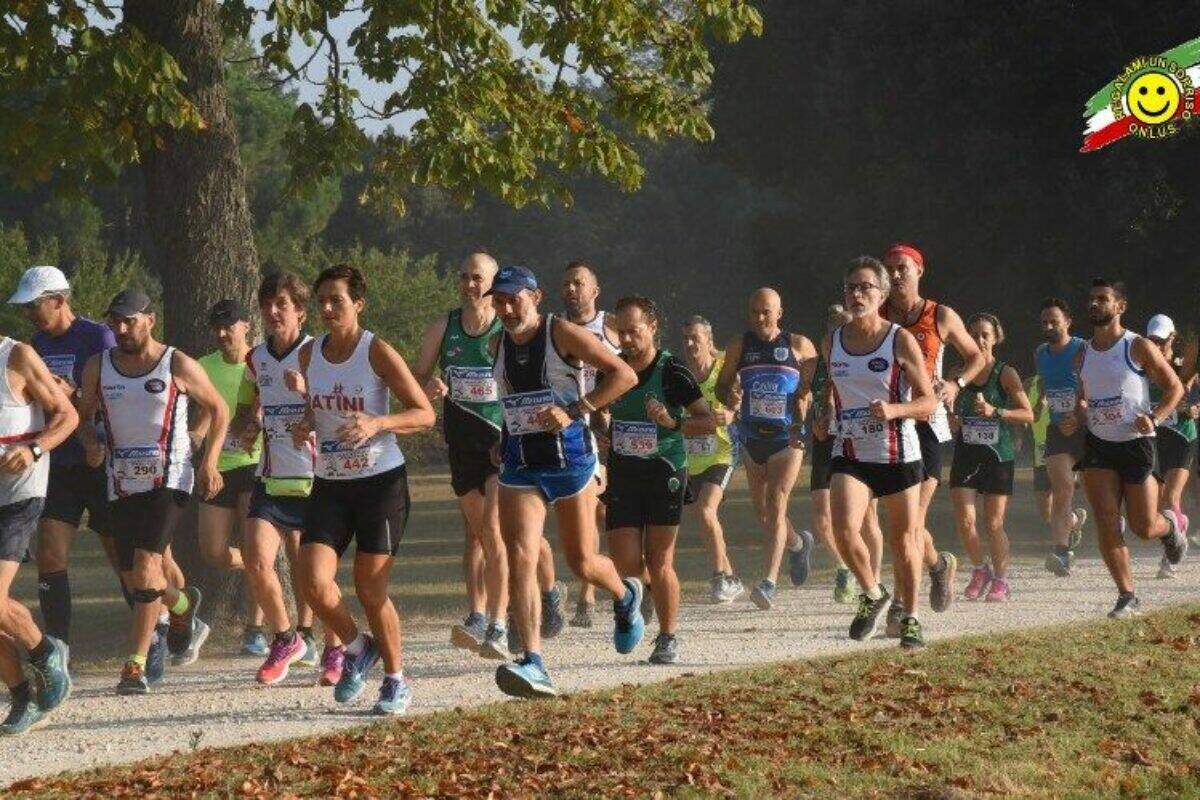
pixel 65 342
pixel 775 370
pixel 1055 360
pixel 934 325
pixel 35 416
pixel 141 388
pixel 222 519
pixel 580 290
pixel 1116 368
pixel 549 458
pixel 710 458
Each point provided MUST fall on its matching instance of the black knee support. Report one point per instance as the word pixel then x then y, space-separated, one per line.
pixel 148 595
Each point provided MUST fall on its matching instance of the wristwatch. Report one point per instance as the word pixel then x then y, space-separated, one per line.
pixel 37 450
pixel 960 383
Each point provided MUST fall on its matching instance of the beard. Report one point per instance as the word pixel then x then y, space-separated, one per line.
pixel 1099 318
pixel 1049 335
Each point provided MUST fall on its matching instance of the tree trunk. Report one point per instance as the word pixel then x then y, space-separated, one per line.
pixel 201 233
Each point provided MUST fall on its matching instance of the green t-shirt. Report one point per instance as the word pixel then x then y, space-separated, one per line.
pixel 1182 424
pixel 1040 424
pixel 228 380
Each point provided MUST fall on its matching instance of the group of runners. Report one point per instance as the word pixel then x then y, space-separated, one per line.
pixel 294 444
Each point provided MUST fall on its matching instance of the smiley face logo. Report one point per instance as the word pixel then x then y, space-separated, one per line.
pixel 1152 97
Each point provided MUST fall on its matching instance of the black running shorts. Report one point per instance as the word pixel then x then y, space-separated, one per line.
pixel 881 479
pixel 372 512
pixel 74 489
pixel 1133 461
pixel 975 466
pixel 146 521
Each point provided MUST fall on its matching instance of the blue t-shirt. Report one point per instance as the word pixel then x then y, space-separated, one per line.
pixel 65 356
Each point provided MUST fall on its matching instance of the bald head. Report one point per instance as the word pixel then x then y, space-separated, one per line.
pixel 475 277
pixel 766 295
pixel 580 289
pixel 766 310
pixel 481 261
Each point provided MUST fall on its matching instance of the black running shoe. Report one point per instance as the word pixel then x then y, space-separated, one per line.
pixel 866 619
pixel 666 649
pixel 179 635
pixel 1127 606
pixel 910 634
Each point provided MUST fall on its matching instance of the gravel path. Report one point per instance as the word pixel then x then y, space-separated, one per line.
pixel 216 702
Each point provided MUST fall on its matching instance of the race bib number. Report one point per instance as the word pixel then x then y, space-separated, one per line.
pixel 472 385
pixel 701 445
pixel 1108 412
pixel 1061 401
pixel 62 365
pixel 978 430
pixel 521 411
pixel 858 425
pixel 141 465
pixel 768 405
pixel 638 439
pixel 280 421
pixel 344 460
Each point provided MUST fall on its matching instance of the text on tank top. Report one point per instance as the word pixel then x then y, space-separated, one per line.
pixel 282 411
pixel 146 427
pixel 770 378
pixel 596 326
pixel 858 380
pixel 467 364
pixel 335 391
pixel 20 423
pixel 1116 390
pixel 933 354
pixel 1058 376
pixel 990 432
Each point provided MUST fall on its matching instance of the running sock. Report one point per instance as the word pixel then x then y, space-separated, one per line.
pixel 875 592
pixel 305 630
pixel 164 618
pixel 286 636
pixel 181 605
pixel 137 658
pixel 39 651
pixel 54 597
pixel 533 658
pixel 1062 550
pixel 356 647
pixel 396 676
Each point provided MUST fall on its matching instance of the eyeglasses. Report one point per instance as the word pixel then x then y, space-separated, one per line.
pixel 860 288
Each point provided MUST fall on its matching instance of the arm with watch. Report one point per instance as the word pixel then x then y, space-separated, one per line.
pixel 581 345
pixel 29 376
pixel 1019 410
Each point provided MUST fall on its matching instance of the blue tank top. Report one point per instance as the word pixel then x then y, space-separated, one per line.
pixel 1060 382
pixel 770 378
pixel 530 377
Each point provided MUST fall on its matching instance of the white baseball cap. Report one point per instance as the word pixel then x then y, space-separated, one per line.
pixel 38 281
pixel 1160 326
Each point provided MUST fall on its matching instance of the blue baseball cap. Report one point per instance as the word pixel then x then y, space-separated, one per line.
pixel 510 280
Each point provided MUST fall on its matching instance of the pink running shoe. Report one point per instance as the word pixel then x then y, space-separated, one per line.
pixel 980 578
pixel 999 591
pixel 280 658
pixel 332 661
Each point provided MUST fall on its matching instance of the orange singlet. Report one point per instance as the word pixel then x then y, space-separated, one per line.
pixel 933 348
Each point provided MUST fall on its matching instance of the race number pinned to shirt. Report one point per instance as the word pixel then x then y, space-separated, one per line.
pixel 1109 412
pixel 981 430
pixel 1061 401
pixel 768 405
pixel 137 466
pixel 521 411
pixel 700 445
pixel 278 421
pixel 472 385
pixel 858 424
pixel 637 439
pixel 341 460
pixel 62 365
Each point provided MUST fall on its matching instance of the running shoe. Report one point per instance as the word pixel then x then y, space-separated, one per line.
pixel 49 676
pixel 733 588
pixel 1166 570
pixel 844 586
pixel 1175 543
pixel 981 576
pixel 763 595
pixel 156 657
pixel 311 657
pixel 554 610
pixel 525 679
pixel 894 615
pixel 468 634
pixel 799 561
pixel 999 591
pixel 910 634
pixel 133 680
pixel 866 619
pixel 1059 563
pixel 1127 606
pixel 354 673
pixel 647 604
pixel 493 643
pixel 716 589
pixel 666 649
pixel 23 716
pixel 941 581
pixel 629 626
pixel 283 653
pixel 179 637
pixel 394 697
pixel 1076 535
pixel 254 641
pixel 333 660
pixel 200 632
pixel 582 617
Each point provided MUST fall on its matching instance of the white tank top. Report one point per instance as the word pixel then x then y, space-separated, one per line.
pixel 146 427
pixel 20 423
pixel 1116 390
pixel 282 409
pixel 338 390
pixel 856 381
pixel 596 326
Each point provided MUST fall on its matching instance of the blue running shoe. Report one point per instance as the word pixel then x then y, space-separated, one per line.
pixel 354 673
pixel 394 697
pixel 800 560
pixel 254 641
pixel 763 595
pixel 525 679
pixel 23 716
pixel 50 676
pixel 629 625
pixel 156 658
